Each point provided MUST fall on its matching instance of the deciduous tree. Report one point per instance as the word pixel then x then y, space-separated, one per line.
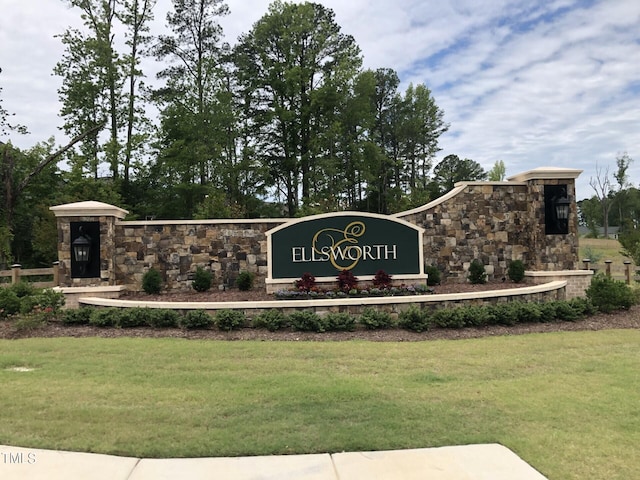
pixel 601 184
pixel 452 170
pixel 497 173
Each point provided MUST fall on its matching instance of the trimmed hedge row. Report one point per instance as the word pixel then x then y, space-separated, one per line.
pixel 40 305
pixel 507 314
pixel 413 318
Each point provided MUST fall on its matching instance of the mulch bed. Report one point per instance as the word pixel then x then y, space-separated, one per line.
pixel 235 295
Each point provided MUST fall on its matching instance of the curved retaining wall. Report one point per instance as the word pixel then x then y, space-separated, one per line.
pixel 538 293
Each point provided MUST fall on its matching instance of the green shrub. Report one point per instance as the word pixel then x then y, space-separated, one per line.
pixel 9 302
pixel 504 314
pixel 23 289
pixel 608 294
pixel 29 322
pixel 245 281
pixel 202 280
pixel 373 319
pixel 414 319
pixel 197 319
pixel 449 318
pixel 163 318
pixel 104 317
pixel 28 303
pixel 42 301
pixel 422 289
pixel 271 319
pixel 77 316
pixel 478 316
pixel 133 317
pixel 526 312
pixel 477 273
pixel 152 282
pixel 516 271
pixel 227 320
pixel 565 311
pixel 583 306
pixel 635 289
pixel 433 275
pixel 49 298
pixel 547 312
pixel 307 321
pixel 340 322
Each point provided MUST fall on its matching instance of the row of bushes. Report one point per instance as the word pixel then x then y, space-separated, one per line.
pixel 35 306
pixel 604 294
pixel 507 314
pixel 478 274
pixel 225 320
pixel 413 318
pixel 202 281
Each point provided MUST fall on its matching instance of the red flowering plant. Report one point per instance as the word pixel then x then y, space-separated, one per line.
pixel 347 281
pixel 306 283
pixel 382 279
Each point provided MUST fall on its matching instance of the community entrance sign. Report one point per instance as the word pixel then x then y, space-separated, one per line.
pixel 362 243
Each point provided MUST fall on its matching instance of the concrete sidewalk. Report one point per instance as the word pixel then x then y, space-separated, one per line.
pixel 470 462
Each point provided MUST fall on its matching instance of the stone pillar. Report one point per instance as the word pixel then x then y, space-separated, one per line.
pixel 106 216
pixel 550 250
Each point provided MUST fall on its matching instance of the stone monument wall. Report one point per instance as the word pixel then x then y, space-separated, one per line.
pixel 177 249
pixel 493 222
pixel 477 221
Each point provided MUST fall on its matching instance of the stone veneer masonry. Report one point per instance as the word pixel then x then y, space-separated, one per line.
pixel 177 249
pixel 90 211
pixel 494 222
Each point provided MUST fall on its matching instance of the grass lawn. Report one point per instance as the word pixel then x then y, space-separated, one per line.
pixel 601 249
pixel 567 403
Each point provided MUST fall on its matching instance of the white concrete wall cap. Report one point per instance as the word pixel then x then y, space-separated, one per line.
pixel 88 209
pixel 546 173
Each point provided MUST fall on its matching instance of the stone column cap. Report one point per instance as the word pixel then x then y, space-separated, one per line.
pixel 88 209
pixel 546 173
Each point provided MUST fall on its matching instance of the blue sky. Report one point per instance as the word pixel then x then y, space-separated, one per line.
pixel 546 83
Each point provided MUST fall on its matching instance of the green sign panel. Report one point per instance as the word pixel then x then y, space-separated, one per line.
pixel 324 245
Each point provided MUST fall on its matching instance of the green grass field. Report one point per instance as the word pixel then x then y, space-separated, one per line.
pixel 602 249
pixel 565 402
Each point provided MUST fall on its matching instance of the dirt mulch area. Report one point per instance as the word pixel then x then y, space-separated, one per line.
pixel 235 295
pixel 629 319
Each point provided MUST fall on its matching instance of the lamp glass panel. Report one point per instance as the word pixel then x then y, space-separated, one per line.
pixel 562 211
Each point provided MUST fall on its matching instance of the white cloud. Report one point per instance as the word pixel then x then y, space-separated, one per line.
pixel 531 83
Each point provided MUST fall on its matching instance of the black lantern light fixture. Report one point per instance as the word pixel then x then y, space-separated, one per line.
pixel 557 209
pixel 81 247
pixel 562 208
